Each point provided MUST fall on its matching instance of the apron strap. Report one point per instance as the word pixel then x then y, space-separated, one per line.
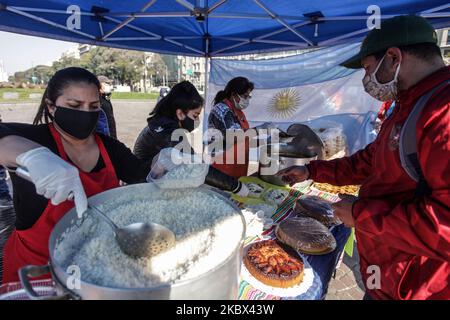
pixel 105 156
pixel 103 153
pixel 58 140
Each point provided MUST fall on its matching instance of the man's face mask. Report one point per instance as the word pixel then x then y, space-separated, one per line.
pixel 77 123
pixel 381 91
pixel 243 102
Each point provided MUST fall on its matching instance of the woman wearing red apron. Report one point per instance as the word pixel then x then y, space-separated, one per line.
pixel 236 168
pixel 227 114
pixel 63 156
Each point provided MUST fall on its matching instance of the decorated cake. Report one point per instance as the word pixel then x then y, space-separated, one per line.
pixel 268 262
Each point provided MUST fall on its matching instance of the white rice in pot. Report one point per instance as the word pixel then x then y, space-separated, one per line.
pixel 207 230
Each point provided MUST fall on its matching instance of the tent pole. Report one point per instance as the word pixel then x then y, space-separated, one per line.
pixel 290 43
pixel 216 5
pixel 231 47
pixel 48 22
pixel 132 38
pixel 435 15
pixel 205 87
pixel 128 20
pixel 283 22
pixel 445 6
pixel 297 25
pixel 344 36
pixel 205 90
pixel 154 35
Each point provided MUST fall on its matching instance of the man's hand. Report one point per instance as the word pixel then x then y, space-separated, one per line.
pixel 343 209
pixel 294 174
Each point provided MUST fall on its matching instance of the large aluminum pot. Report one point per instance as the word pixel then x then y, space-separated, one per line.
pixel 278 157
pixel 219 283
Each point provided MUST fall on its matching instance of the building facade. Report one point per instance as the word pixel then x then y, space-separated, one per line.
pixel 73 52
pixel 192 69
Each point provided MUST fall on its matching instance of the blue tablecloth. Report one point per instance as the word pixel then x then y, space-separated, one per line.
pixel 324 265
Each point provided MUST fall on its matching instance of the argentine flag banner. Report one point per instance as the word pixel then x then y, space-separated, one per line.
pixel 297 88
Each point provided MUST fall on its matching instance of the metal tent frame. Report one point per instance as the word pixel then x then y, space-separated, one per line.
pixel 204 13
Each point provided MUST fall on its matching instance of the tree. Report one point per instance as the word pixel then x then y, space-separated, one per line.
pixel 41 73
pixel 66 62
pixel 157 68
pixel 124 66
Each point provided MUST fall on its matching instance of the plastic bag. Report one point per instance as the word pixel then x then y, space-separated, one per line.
pixel 172 169
pixel 316 208
pixel 260 192
pixel 267 210
pixel 333 138
pixel 306 235
pixel 255 189
pixel 256 222
pixel 275 196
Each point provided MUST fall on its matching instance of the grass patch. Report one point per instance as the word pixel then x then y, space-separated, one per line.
pixel 24 95
pixel 134 95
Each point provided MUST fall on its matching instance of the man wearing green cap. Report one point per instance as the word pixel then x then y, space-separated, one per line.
pixel 402 215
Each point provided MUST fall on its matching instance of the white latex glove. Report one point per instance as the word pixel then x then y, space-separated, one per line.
pixel 53 177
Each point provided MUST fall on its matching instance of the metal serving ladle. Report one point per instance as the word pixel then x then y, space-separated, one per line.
pixel 140 239
pixel 137 239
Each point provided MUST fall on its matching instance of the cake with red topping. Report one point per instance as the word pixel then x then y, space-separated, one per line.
pixel 268 262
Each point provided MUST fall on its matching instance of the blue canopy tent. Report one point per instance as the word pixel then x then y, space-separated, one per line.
pixel 208 28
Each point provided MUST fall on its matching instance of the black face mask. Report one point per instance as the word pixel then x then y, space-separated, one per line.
pixel 79 124
pixel 188 124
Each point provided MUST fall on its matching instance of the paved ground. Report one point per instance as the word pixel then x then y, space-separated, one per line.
pixel 347 283
pixel 131 118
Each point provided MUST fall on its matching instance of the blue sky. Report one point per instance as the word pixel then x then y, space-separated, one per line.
pixel 19 52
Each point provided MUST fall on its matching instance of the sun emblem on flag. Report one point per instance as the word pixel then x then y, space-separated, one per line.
pixel 284 103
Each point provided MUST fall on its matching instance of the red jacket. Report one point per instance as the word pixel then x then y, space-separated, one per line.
pixel 408 238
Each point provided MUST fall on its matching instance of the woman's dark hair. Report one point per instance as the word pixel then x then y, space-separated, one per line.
pixel 182 96
pixel 61 80
pixel 239 85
